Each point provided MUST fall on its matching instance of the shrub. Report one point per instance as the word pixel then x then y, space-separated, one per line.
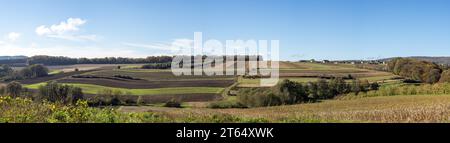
pixel 173 104
pixel 108 97
pixel 76 95
pixel 226 104
pixel 157 66
pixel 55 92
pixel 445 76
pixel 15 75
pixel 139 101
pixel 2 90
pixel 356 87
pixel 5 70
pixel 116 100
pixel 38 70
pixel 14 89
pixel 374 86
pixel 129 100
pixel 323 90
pixel 126 77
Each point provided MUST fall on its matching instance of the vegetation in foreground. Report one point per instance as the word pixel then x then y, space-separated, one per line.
pixel 383 109
pixel 22 110
pixel 419 108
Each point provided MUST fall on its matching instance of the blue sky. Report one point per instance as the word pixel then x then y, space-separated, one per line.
pixel 320 29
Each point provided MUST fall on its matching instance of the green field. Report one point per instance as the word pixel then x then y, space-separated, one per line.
pixel 53 72
pixel 155 75
pixel 94 89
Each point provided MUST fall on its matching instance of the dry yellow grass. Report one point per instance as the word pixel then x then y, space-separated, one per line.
pixel 423 108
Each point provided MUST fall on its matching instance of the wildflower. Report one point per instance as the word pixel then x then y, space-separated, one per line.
pixel 53 108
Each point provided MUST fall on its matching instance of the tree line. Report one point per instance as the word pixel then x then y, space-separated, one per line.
pixel 32 71
pixel 50 92
pixel 289 92
pixel 421 71
pixel 59 60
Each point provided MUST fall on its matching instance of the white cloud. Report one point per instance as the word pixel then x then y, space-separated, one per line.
pixel 43 30
pixel 65 30
pixel 177 47
pixel 75 37
pixel 13 36
pixel 10 38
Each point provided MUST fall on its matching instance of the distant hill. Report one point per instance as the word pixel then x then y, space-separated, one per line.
pixel 12 57
pixel 438 60
pixel 16 61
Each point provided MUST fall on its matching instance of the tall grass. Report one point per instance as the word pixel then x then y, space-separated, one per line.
pixel 405 89
pixel 22 110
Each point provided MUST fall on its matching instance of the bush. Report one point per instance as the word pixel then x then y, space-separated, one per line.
pixel 2 90
pixel 14 89
pixel 173 104
pixel 38 71
pixel 5 70
pixel 107 97
pixel 55 92
pixel 259 97
pixel 126 77
pixel 226 104
pixel 76 95
pixel 15 75
pixel 374 86
pixel 445 76
pixel 157 66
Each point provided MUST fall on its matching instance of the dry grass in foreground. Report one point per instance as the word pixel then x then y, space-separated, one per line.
pixel 419 108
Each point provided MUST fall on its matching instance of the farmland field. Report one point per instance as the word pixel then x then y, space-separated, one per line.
pixel 147 90
pixel 418 108
pixel 131 80
pixel 306 72
pixel 95 78
pixel 94 89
